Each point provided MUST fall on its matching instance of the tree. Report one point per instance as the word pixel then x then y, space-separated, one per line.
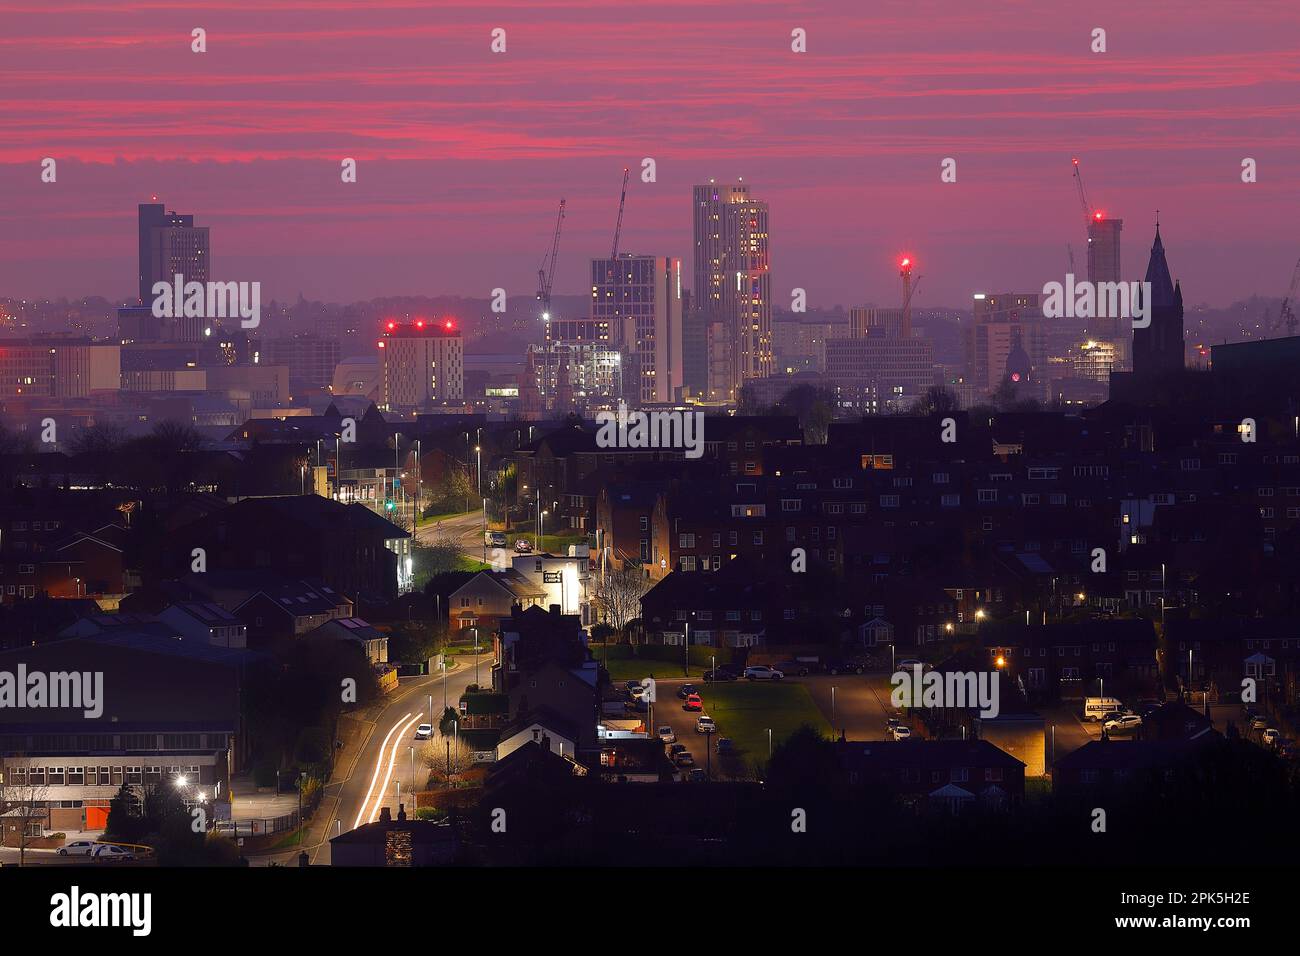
pixel 617 594
pixel 446 759
pixel 447 722
pixel 937 400
pixel 22 801
pixel 439 555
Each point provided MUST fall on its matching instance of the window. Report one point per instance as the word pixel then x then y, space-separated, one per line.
pixel 77 776
pixel 55 775
pixel 987 495
pixel 791 504
pixel 686 540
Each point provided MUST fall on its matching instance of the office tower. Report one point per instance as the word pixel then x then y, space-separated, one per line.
pixel 864 321
pixel 1003 321
pixel 640 297
pixel 1158 347
pixel 421 363
pixel 310 358
pixel 53 367
pixel 732 280
pixel 170 244
pixel 877 374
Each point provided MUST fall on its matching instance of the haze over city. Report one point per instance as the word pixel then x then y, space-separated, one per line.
pixel 463 155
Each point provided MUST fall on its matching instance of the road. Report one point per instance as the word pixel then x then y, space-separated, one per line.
pixel 466 532
pixel 385 761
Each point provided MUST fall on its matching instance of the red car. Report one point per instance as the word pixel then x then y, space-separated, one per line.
pixel 693 702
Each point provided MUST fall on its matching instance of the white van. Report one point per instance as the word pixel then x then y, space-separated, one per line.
pixel 1094 708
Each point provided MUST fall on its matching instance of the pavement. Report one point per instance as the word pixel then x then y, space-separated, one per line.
pixel 466 532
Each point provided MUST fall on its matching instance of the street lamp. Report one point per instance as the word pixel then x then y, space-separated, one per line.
pixel 769 742
pixel 478 450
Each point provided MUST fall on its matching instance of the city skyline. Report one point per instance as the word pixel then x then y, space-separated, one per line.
pixel 462 153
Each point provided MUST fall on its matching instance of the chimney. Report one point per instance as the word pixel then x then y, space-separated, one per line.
pixel 385 816
pixel 555 609
pixel 401 811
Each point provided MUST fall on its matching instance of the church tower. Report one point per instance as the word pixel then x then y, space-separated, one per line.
pixel 1158 348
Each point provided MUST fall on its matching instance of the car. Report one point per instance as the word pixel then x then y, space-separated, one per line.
pixel 637 692
pixel 494 539
pixel 901 732
pixel 763 672
pixel 79 848
pixel 798 668
pixel 891 723
pixel 845 665
pixel 1122 726
pixel 676 749
pixel 632 684
pixel 1109 717
pixel 695 775
pixel 1270 737
pixel 907 663
pixel 704 725
pixel 686 690
pixel 694 702
pixel 725 747
pixel 424 732
pixel 667 734
pixel 719 675
pixel 684 759
pixel 1259 723
pixel 1145 708
pixel 523 546
pixel 112 853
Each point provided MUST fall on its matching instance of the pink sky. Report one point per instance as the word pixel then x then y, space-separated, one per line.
pixel 464 154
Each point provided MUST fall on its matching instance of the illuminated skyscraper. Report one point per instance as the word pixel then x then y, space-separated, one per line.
pixel 733 282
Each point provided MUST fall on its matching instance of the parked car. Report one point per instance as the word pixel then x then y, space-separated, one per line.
pixel 686 690
pixel 900 732
pixel 890 724
pixel 694 702
pixel 1145 708
pixel 424 732
pixel 846 665
pixel 637 692
pixel 725 747
pixel 523 546
pixel 705 725
pixel 667 735
pixel 798 668
pixel 719 675
pixel 763 672
pixel 1109 717
pixel 112 853
pixel 1123 726
pixel 907 663
pixel 695 775
pixel 79 848
pixel 1270 737
pixel 1259 723
pixel 632 684
pixel 676 749
pixel 684 759
pixel 494 539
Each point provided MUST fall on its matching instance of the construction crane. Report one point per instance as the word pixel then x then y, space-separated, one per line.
pixel 1088 214
pixel 1286 314
pixel 618 226
pixel 546 272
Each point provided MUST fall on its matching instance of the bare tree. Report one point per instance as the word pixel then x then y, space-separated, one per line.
pixel 21 801
pixel 447 758
pixel 618 594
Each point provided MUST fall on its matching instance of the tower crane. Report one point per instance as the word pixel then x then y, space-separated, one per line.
pixel 1286 315
pixel 618 226
pixel 546 272
pixel 1088 214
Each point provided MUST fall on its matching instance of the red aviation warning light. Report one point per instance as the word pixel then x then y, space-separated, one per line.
pixel 392 326
pixel 419 323
pixel 449 323
pixel 1097 215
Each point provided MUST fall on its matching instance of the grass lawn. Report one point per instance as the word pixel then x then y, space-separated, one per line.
pixel 466 563
pixel 633 668
pixel 433 519
pixel 744 710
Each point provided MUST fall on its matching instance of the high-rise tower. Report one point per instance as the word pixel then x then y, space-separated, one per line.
pixel 733 283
